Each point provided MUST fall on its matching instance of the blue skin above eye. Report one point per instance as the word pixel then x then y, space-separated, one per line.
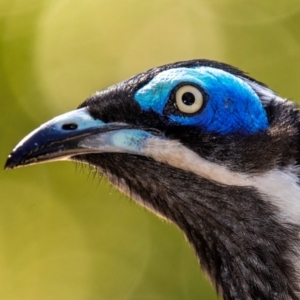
pixel 232 105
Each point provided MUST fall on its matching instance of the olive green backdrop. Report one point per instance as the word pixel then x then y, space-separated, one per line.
pixel 64 233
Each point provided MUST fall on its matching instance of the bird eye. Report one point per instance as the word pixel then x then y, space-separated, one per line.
pixel 188 99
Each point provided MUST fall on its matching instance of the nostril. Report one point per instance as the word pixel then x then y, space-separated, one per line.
pixel 69 126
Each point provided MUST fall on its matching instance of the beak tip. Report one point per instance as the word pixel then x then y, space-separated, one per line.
pixel 10 163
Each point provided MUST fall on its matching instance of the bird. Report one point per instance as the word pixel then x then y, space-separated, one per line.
pixel 207 147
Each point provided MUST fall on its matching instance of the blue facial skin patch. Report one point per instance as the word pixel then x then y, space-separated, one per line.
pixel 122 141
pixel 232 105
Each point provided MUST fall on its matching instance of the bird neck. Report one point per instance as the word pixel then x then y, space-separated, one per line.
pixel 243 245
pixel 240 239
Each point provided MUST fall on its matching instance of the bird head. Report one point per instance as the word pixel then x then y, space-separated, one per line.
pixel 205 146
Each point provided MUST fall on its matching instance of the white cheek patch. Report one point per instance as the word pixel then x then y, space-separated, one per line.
pixel 280 187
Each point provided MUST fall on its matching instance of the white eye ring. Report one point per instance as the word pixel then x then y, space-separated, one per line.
pixel 189 99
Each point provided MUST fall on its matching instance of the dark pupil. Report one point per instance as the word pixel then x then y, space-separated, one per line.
pixel 188 98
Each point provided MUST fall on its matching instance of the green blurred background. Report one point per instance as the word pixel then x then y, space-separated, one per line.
pixel 65 234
